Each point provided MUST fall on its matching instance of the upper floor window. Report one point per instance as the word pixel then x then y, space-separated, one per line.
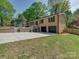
pixel 36 23
pixel 32 23
pixel 51 19
pixel 42 21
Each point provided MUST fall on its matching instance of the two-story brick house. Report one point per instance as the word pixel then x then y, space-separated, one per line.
pixel 53 24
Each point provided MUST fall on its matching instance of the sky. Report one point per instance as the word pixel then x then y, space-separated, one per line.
pixel 74 4
pixel 22 5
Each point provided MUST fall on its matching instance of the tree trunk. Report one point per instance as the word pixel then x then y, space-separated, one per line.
pixel 2 22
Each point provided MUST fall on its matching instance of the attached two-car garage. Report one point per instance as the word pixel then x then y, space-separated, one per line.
pixel 51 29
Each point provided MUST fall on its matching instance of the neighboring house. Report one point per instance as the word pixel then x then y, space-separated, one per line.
pixel 20 23
pixel 52 24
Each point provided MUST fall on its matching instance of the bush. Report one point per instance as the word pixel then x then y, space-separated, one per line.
pixel 36 30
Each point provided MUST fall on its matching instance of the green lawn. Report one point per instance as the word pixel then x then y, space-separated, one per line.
pixel 53 47
pixel 5 27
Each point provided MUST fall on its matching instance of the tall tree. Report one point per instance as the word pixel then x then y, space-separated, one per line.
pixel 76 14
pixel 6 10
pixel 20 21
pixel 21 17
pixel 36 10
pixel 58 6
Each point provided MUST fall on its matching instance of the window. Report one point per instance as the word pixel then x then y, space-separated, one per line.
pixel 42 21
pixel 32 23
pixel 36 22
pixel 51 19
pixel 27 24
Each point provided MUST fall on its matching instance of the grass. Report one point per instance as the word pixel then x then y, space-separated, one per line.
pixel 53 47
pixel 4 27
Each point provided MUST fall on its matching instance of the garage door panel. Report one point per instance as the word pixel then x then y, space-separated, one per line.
pixel 52 29
pixel 43 29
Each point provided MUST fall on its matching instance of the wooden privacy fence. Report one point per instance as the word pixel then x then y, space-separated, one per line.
pixel 71 30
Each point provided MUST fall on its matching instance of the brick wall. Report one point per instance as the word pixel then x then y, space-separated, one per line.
pixel 6 30
pixel 24 30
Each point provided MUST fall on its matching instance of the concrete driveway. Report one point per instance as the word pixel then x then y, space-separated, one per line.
pixel 11 37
